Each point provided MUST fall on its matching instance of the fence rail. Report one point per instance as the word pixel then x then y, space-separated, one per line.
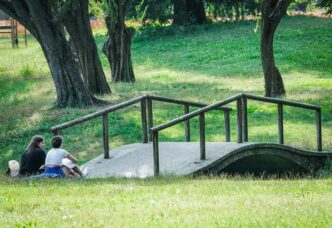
pixel 146 117
pixel 150 132
pixel 242 122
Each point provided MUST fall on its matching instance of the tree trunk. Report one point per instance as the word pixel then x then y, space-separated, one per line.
pixel 78 26
pixel 70 88
pixel 189 12
pixel 117 48
pixel 180 12
pixel 272 12
pixel 43 22
pixel 196 11
pixel 274 85
pixel 237 10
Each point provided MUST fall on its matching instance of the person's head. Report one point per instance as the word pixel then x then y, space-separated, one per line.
pixel 37 141
pixel 56 141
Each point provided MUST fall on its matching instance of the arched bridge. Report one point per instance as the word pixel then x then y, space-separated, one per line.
pixel 195 158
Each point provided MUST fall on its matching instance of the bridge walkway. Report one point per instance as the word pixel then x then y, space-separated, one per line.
pixel 183 158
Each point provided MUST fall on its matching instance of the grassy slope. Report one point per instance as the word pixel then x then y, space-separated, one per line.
pixel 202 64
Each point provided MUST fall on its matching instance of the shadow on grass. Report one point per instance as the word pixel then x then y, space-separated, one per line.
pixel 221 50
pixel 125 127
pixel 161 181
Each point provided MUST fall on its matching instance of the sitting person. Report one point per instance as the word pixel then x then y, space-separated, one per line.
pixel 33 157
pixel 53 161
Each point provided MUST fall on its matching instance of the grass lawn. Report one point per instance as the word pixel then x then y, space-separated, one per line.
pixel 170 201
pixel 204 64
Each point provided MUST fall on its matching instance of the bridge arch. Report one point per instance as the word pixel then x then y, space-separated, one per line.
pixel 267 158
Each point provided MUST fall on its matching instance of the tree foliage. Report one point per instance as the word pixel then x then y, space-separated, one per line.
pixel 325 4
pixel 232 9
pixel 150 11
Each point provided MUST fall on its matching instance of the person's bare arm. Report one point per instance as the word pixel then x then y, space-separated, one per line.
pixel 72 158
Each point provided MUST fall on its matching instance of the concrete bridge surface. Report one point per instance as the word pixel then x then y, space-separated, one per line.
pixel 183 158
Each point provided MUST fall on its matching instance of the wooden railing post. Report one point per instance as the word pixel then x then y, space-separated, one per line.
pixel 319 129
pixel 244 118
pixel 25 36
pixel 12 32
pixel 155 153
pixel 280 123
pixel 227 126
pixel 144 121
pixel 239 120
pixel 105 136
pixel 187 124
pixel 150 117
pixel 202 135
pixel 55 133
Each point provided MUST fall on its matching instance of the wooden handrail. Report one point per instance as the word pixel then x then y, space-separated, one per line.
pixel 195 113
pixel 242 121
pixel 147 119
pixel 124 105
pixel 146 115
pixel 280 101
pixel 96 114
pixel 6 27
pixel 182 102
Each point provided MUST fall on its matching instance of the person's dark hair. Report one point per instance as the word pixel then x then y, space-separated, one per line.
pixel 35 141
pixel 56 141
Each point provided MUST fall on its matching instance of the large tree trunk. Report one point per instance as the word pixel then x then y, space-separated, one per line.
pixel 189 12
pixel 117 48
pixel 272 12
pixel 39 18
pixel 69 85
pixel 196 11
pixel 180 12
pixel 78 26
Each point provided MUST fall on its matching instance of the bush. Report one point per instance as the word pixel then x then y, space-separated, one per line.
pixel 26 72
pixel 155 31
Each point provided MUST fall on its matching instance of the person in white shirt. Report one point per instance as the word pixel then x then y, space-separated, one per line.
pixel 54 160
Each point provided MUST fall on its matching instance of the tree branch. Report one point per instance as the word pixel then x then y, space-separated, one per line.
pixel 66 8
pixel 8 8
pixel 280 8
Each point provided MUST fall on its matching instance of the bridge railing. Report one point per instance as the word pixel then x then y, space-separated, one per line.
pixel 146 117
pixel 242 122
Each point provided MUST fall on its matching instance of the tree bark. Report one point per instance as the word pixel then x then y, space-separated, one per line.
pixel 77 23
pixel 195 9
pixel 70 88
pixel 189 12
pixel 180 12
pixel 42 20
pixel 272 12
pixel 117 48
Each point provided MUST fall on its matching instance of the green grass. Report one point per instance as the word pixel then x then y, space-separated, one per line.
pixel 204 64
pixel 165 202
pixel 199 63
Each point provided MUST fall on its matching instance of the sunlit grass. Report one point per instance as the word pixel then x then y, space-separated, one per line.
pixel 168 201
pixel 204 64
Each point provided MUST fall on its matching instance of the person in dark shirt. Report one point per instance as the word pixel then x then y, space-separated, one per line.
pixel 33 157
